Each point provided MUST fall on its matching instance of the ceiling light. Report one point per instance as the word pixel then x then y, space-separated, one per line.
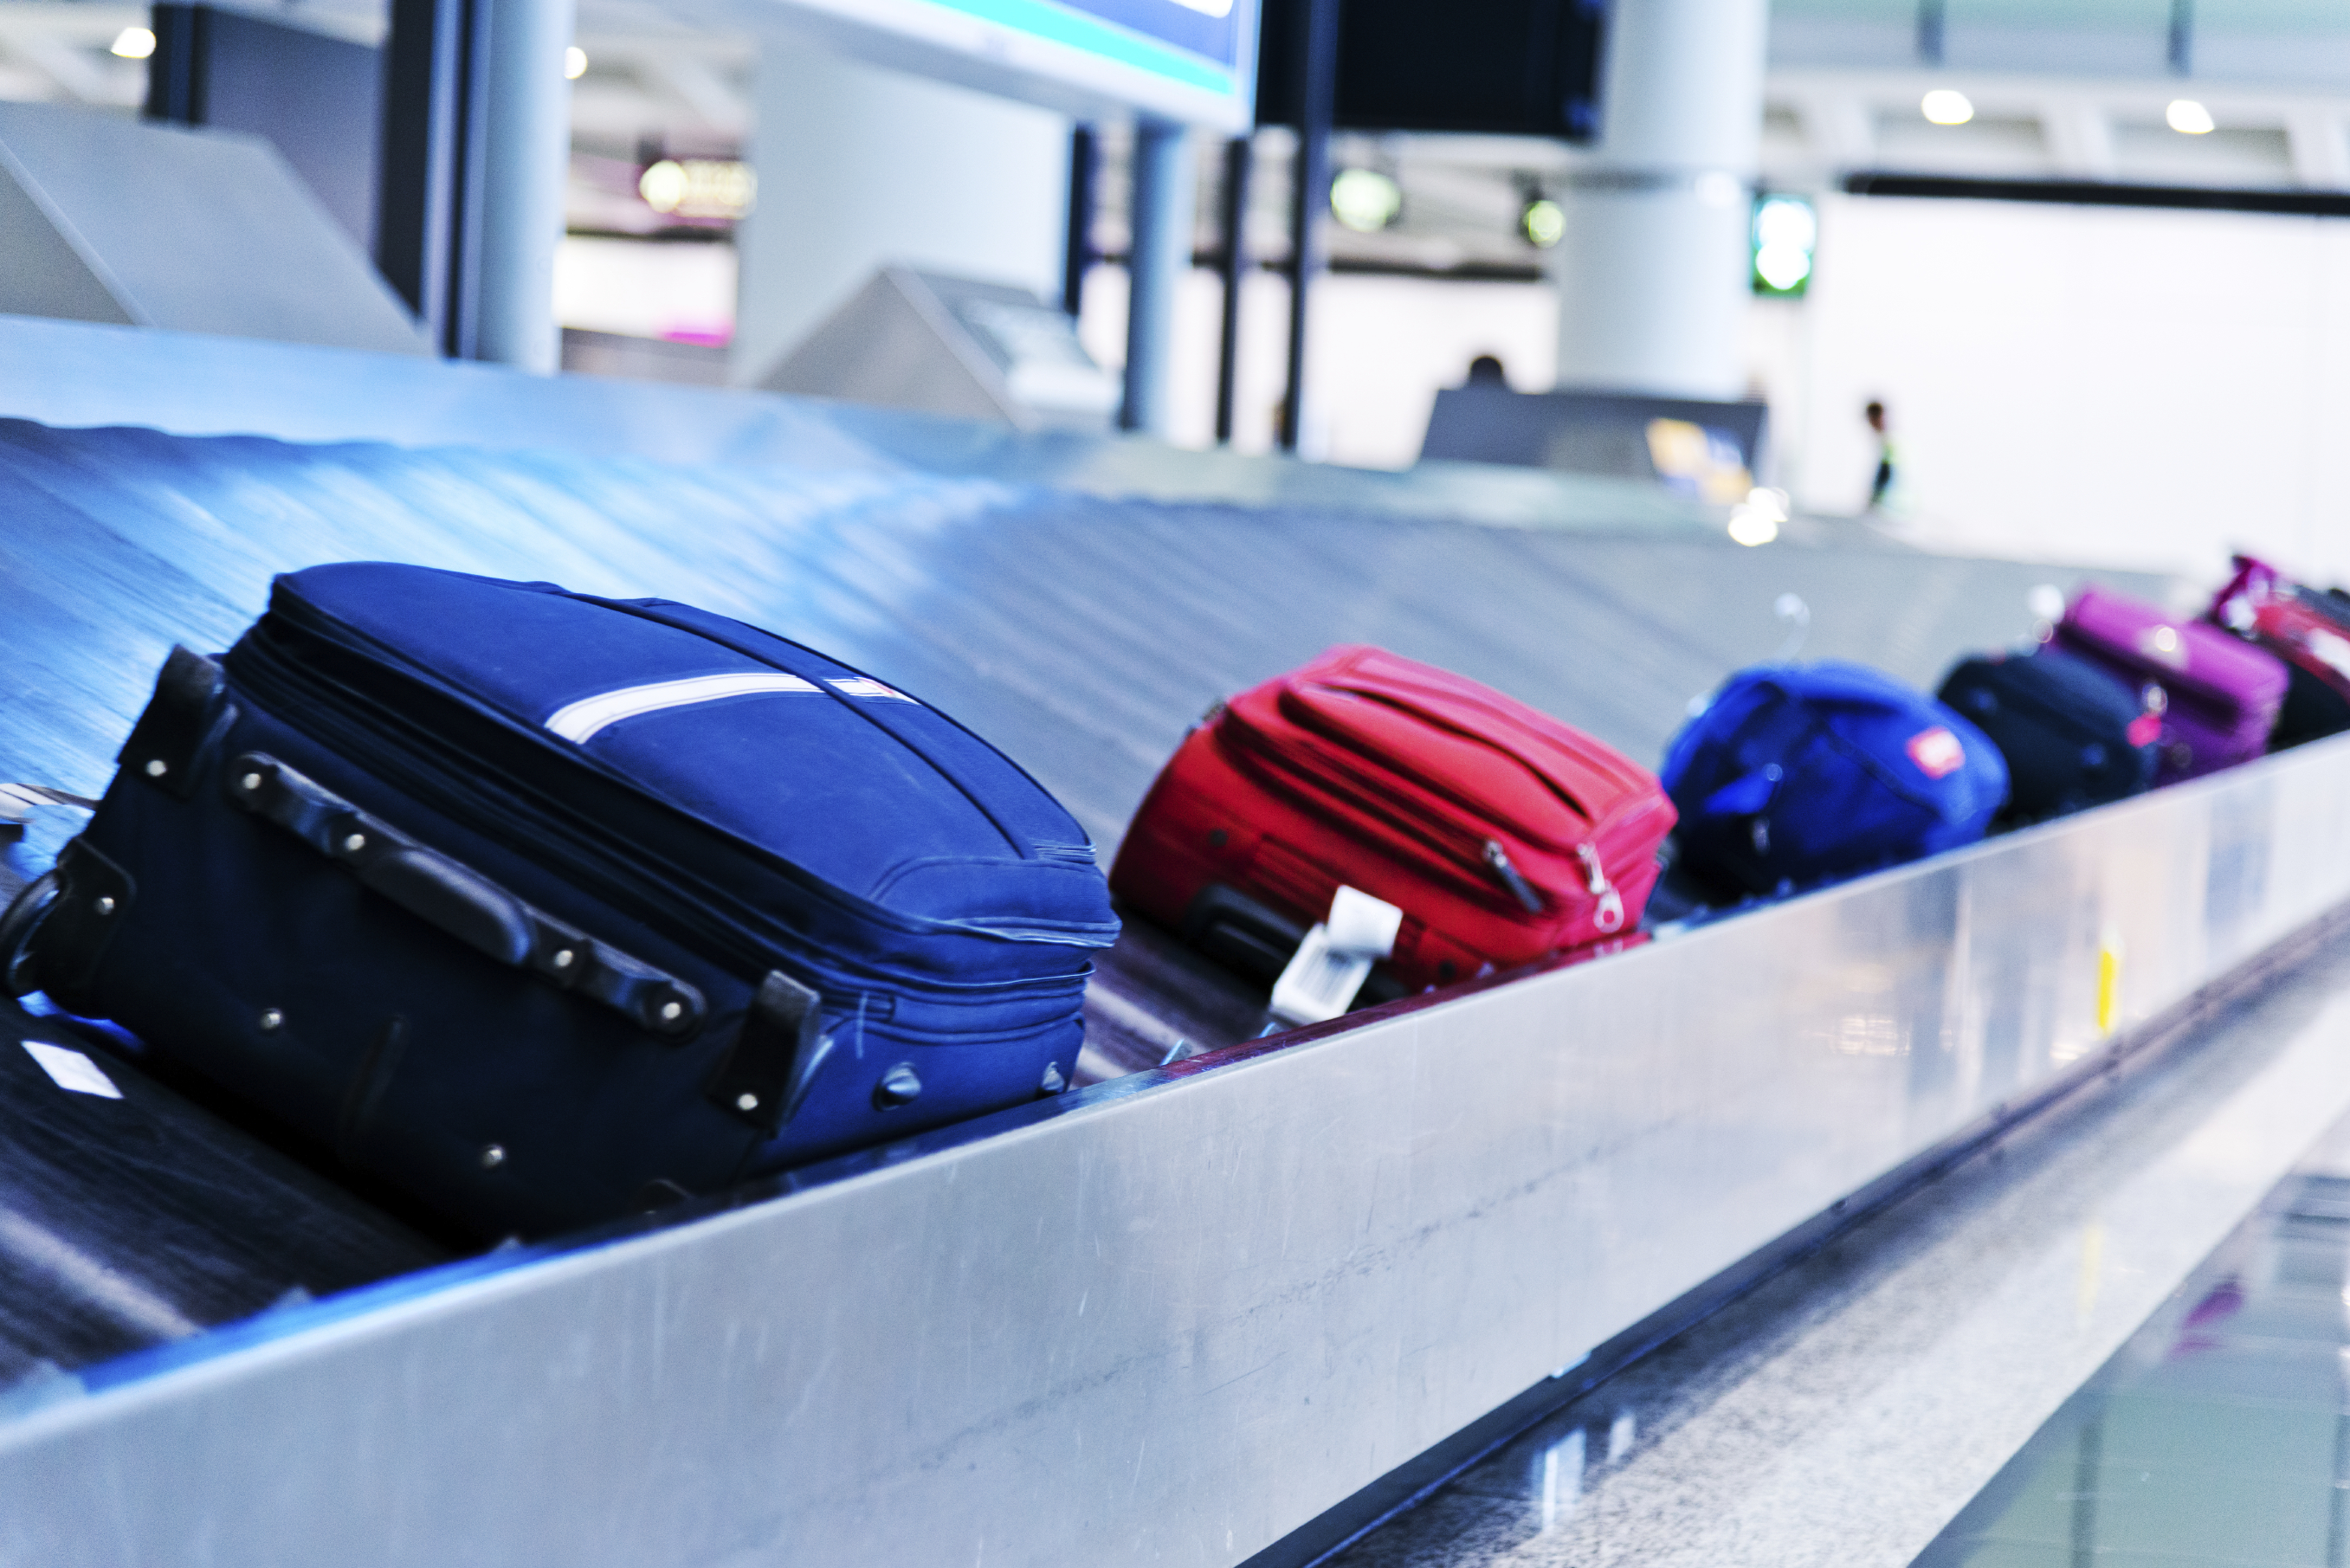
pixel 2188 117
pixel 133 44
pixel 1365 199
pixel 1947 106
pixel 1750 528
pixel 721 188
pixel 575 63
pixel 1543 222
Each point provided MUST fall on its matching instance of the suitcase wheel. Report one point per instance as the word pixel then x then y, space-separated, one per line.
pixel 20 926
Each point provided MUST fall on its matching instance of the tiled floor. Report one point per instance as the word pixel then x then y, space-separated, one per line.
pixel 2220 1433
pixel 1849 1409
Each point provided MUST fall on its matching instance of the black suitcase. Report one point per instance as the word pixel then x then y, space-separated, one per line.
pixel 2074 735
pixel 544 906
pixel 130 1217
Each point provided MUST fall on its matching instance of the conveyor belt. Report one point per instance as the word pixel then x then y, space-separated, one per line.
pixel 133 1220
pixel 1080 633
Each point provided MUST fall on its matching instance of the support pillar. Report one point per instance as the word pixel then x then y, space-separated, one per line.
pixel 1240 157
pixel 1164 195
pixel 475 153
pixel 526 161
pixel 1077 258
pixel 1653 270
pixel 1315 59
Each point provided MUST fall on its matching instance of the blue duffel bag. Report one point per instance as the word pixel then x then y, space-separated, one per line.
pixel 1795 774
pixel 545 907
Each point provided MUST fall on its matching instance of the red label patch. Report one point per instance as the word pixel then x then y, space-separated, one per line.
pixel 2144 730
pixel 1937 753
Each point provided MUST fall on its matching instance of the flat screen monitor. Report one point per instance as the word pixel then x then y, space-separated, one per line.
pixel 1504 68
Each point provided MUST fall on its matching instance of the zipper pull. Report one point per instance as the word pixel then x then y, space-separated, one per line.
pixel 1611 902
pixel 1520 889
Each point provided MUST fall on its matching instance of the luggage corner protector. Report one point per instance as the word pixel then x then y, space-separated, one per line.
pixel 20 927
pixel 766 1073
pixel 164 743
pixel 93 901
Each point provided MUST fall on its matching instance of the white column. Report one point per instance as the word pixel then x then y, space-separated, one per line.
pixel 1165 196
pixel 860 166
pixel 1653 268
pixel 525 164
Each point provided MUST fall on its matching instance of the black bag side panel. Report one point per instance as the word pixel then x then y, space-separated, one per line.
pixel 2312 708
pixel 2063 727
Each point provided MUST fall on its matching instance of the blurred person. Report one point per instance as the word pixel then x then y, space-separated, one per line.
pixel 1883 483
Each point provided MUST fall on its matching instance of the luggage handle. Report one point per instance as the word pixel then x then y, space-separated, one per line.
pixel 460 901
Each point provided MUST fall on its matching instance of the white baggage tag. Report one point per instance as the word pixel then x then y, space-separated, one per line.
pixel 1318 984
pixel 1336 957
pixel 1362 925
pixel 18 800
pixel 70 1070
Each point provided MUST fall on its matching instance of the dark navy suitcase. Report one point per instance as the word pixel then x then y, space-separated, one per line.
pixel 546 906
pixel 2074 735
pixel 1796 775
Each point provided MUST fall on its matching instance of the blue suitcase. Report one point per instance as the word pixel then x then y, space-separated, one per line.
pixel 1796 775
pixel 545 907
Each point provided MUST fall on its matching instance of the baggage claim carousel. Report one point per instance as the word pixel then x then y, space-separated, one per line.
pixel 1236 1296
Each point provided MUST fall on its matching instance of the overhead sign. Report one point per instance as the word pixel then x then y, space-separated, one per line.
pixel 1192 61
pixel 1502 68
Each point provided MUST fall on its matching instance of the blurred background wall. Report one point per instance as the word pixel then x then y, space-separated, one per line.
pixel 2136 384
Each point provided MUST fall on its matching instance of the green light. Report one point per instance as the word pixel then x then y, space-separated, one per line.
pixel 1784 232
pixel 1542 223
pixel 1365 199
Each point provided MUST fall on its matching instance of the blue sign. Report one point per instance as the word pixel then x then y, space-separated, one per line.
pixel 1192 61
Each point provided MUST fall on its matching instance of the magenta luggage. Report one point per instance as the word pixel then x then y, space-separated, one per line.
pixel 2219 696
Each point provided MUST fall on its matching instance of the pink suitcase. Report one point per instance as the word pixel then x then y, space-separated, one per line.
pixel 2219 696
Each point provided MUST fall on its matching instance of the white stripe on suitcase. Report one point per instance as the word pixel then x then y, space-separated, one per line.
pixel 580 721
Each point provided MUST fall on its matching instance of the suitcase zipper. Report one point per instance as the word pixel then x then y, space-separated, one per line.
pixel 1510 877
pixel 1489 861
pixel 1441 847
pixel 1610 913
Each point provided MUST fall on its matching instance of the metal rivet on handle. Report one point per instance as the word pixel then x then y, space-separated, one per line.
pixel 104 906
pixel 354 844
pixel 746 1102
pixel 901 1086
pixel 562 960
pixel 270 1019
pixel 250 782
pixel 671 1012
pixel 157 769
pixel 492 1155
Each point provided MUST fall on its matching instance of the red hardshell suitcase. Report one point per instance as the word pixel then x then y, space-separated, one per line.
pixel 2299 625
pixel 1502 834
pixel 2302 627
